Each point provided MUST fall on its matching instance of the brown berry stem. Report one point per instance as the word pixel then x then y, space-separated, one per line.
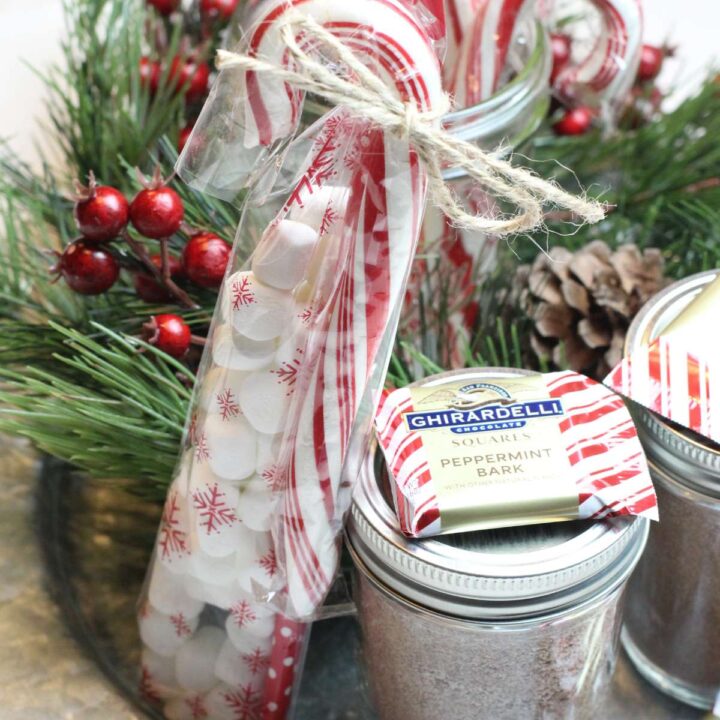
pixel 197 340
pixel 160 275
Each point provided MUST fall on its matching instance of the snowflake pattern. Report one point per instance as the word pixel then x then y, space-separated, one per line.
pixel 147 686
pixel 182 629
pixel 202 451
pixel 172 540
pixel 256 661
pixel 242 293
pixel 269 563
pixel 330 217
pixel 288 372
pixel 242 614
pixel 306 315
pixel 197 707
pixel 245 703
pixel 227 404
pixel 213 510
pixel 274 478
pixel 192 429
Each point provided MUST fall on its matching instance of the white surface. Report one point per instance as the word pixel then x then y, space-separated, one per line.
pixel 30 32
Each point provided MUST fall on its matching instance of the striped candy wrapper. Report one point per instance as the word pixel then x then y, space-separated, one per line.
pixel 597 449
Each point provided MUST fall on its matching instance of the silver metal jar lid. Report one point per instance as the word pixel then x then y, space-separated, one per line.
pixel 508 574
pixel 689 458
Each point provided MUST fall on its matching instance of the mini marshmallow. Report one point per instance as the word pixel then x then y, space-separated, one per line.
pixel 215 527
pixel 213 396
pixel 167 593
pixel 268 452
pixel 206 569
pixel 231 445
pixel 252 546
pixel 255 310
pixel 195 661
pixel 235 351
pixel 264 401
pixel 232 667
pixel 257 505
pixel 283 255
pixel 186 708
pixel 165 634
pixel 219 596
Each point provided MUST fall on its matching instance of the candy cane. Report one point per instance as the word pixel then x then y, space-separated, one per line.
pixel 296 338
pixel 608 72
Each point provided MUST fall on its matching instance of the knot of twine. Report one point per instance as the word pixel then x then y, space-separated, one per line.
pixel 368 97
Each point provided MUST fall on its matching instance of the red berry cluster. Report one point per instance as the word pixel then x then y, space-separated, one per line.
pixel 90 265
pixel 579 119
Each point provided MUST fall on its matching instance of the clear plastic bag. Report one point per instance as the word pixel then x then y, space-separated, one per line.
pixel 295 361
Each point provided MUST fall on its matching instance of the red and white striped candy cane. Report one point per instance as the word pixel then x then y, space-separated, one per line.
pixel 608 72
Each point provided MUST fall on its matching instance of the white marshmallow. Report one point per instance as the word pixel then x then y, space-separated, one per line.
pixel 251 547
pixel 161 669
pixel 315 206
pixel 284 253
pixel 219 596
pixel 268 453
pixel 165 634
pixel 167 593
pixel 213 396
pixel 195 661
pixel 264 401
pixel 185 708
pixel 232 667
pixel 235 351
pixel 222 701
pixel 232 446
pixel 216 527
pixel 210 570
pixel 249 622
pixel 257 505
pixel 255 310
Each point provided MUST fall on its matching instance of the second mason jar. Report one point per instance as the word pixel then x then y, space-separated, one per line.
pixel 672 632
pixel 512 624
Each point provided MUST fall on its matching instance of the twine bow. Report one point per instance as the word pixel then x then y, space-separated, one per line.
pixel 367 96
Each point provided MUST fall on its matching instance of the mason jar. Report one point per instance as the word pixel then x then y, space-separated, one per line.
pixel 511 624
pixel 672 629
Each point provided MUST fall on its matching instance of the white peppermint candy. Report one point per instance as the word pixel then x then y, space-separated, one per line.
pixel 235 351
pixel 284 253
pixel 195 660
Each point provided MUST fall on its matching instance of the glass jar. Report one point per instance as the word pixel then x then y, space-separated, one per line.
pixel 518 623
pixel 672 629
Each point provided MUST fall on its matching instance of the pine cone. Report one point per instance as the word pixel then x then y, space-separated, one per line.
pixel 581 304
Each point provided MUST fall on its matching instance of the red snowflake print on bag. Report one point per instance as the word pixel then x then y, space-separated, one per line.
pixel 197 707
pixel 147 686
pixel 269 563
pixel 227 404
pixel 242 293
pixel 182 629
pixel 172 540
pixel 288 372
pixel 242 614
pixel 245 703
pixel 213 510
pixel 256 661
pixel 202 451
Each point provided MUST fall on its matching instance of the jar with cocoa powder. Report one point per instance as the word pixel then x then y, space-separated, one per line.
pixel 508 624
pixel 672 630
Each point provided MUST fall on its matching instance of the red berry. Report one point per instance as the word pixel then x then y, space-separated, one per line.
pixel 221 9
pixel 157 212
pixel 651 62
pixel 560 44
pixel 165 7
pixel 104 214
pixel 168 333
pixel 191 76
pixel 148 288
pixel 205 259
pixel 88 269
pixel 150 72
pixel 575 122
pixel 184 136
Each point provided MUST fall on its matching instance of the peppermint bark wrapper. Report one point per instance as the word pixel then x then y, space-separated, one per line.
pixel 677 374
pixel 506 449
pixel 295 359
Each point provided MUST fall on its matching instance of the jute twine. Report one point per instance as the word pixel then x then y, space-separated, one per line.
pixel 367 96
